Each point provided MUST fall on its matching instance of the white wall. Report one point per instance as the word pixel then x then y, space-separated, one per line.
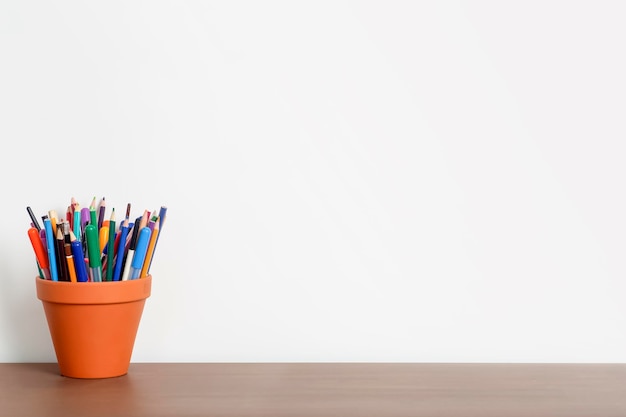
pixel 345 181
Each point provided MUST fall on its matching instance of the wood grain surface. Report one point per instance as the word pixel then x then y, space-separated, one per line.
pixel 319 389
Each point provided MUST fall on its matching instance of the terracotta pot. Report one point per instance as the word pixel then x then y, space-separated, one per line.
pixel 93 324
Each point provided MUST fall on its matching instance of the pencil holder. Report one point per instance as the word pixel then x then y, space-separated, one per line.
pixel 93 324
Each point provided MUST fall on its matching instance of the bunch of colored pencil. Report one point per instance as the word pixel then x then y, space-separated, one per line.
pixel 84 247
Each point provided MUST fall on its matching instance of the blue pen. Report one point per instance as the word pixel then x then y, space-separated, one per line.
pixel 119 260
pixel 50 246
pixel 140 252
pixel 79 261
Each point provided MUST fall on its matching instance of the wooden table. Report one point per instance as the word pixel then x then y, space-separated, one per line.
pixel 319 389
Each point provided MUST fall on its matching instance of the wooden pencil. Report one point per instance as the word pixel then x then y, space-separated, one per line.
pixel 101 212
pixel 60 255
pixel 111 248
pixel 70 262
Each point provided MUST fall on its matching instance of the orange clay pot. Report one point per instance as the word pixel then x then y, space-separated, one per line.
pixel 93 324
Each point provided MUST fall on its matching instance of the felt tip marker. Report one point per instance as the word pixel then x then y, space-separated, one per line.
pixel 79 261
pixel 93 252
pixel 140 252
pixel 50 241
pixel 40 252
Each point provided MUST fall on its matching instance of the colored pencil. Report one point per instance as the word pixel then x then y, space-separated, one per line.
pixel 148 259
pixel 60 256
pixel 119 259
pixel 131 250
pixel 111 248
pixel 52 215
pixel 70 262
pixel 101 212
pixel 162 215
pixel 108 250
pixel 93 216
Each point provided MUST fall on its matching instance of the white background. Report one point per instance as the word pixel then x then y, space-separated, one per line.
pixel 430 181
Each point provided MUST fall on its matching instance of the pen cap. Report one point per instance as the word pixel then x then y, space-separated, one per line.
pixel 93 245
pixel 84 216
pixel 142 246
pixel 40 251
pixel 79 263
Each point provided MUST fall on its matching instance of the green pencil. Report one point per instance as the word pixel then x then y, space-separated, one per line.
pixel 93 217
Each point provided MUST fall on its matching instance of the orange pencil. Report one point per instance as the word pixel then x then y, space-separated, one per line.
pixel 151 245
pixel 70 262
